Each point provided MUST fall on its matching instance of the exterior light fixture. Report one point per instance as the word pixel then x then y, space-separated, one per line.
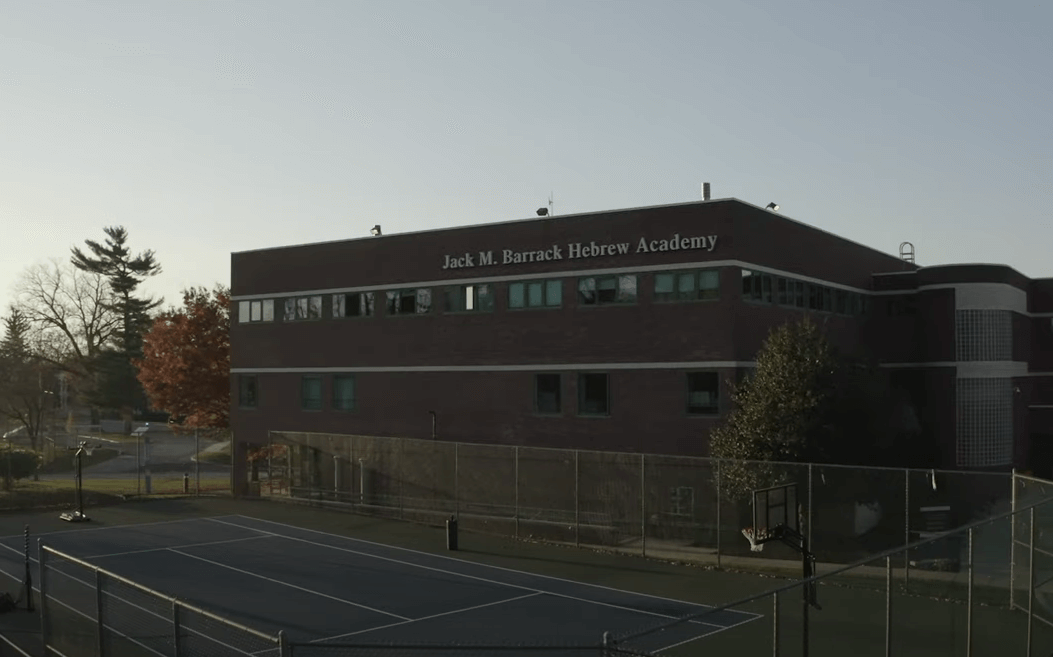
pixel 774 207
pixel 375 230
pixel 541 212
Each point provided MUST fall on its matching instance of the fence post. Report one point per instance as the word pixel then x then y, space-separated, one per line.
pixel 577 501
pixel 197 463
pixel 1012 544
pixel 456 482
pixel 515 457
pixel 719 529
pixel 643 505
pixel 176 639
pixel 775 624
pixel 1031 579
pixel 888 606
pixel 969 601
pixel 906 527
pixel 401 455
pixel 100 621
pixel 811 546
pixel 284 648
pixel 42 563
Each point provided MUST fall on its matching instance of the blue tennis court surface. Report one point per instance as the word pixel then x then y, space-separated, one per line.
pixel 321 587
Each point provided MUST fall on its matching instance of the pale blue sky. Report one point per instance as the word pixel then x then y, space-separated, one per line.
pixel 212 127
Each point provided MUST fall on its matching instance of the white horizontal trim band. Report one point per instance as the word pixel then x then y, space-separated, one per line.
pixel 984 369
pixel 575 273
pixel 560 367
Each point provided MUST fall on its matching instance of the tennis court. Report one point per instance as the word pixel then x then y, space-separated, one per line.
pixel 326 588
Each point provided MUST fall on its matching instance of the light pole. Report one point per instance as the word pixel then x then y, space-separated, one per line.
pixel 78 515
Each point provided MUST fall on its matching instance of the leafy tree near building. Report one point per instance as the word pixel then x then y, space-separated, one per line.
pixel 805 402
pixel 185 368
pixel 117 382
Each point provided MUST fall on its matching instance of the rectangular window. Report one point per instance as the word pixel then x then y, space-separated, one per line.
pixel 311 393
pixel 256 311
pixel 302 308
pixel 606 290
pixel 469 298
pixel 536 294
pixel 839 301
pixel 703 391
pixel 593 394
pixel 409 302
pixel 747 284
pixel 783 296
pixel 343 392
pixel 766 283
pixel 828 300
pixel 248 396
pixel 798 287
pixel 687 285
pixel 547 393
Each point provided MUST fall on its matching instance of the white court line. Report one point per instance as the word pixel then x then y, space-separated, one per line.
pixel 456 574
pixel 104 528
pixel 445 613
pixel 293 586
pixel 174 547
pixel 707 634
pixel 476 563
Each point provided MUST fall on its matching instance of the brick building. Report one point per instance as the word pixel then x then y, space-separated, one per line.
pixel 619 330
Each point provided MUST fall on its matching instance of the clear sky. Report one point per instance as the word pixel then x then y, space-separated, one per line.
pixel 211 127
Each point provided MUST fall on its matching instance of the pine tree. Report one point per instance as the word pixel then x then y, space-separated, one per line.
pixel 117 385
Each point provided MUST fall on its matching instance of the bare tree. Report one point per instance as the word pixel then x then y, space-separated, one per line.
pixel 70 312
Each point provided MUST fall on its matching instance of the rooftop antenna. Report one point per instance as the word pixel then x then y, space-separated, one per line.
pixel 550 203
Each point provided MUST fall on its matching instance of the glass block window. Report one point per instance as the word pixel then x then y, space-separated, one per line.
pixel 983 335
pixel 985 422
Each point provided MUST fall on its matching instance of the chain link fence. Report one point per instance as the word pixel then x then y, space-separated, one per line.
pixel 86 611
pixel 957 602
pixel 680 508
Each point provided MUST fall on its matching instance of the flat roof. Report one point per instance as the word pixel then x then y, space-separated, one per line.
pixel 571 216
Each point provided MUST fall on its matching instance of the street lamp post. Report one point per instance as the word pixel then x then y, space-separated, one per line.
pixel 80 451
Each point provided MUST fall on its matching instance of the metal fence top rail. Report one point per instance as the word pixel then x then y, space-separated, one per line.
pixel 706 459
pixel 837 571
pixel 124 580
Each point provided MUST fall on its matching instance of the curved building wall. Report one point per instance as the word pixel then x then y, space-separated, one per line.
pixel 986 391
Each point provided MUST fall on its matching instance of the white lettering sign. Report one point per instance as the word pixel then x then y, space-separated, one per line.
pixel 577 250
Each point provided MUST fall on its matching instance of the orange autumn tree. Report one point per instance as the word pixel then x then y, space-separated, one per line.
pixel 185 368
